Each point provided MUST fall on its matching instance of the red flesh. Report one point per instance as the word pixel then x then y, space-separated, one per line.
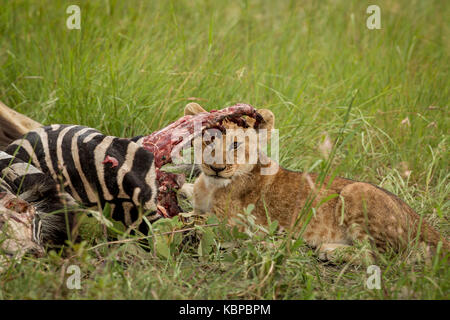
pixel 162 142
pixel 114 162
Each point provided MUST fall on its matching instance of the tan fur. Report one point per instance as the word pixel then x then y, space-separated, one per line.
pixel 359 212
pixel 13 125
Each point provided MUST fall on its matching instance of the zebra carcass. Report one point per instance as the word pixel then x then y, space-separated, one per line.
pixel 94 168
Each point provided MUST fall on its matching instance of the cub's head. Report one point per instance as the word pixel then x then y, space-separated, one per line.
pixel 235 152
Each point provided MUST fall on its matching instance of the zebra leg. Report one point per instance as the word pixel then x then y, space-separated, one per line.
pixel 13 125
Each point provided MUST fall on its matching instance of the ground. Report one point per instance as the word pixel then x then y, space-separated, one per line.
pixel 133 66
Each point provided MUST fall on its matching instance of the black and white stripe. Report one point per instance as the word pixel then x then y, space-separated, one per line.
pixel 76 157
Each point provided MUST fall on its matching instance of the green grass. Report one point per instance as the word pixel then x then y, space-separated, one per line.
pixel 134 65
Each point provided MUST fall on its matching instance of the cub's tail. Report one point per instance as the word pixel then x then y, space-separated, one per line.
pixel 425 232
pixel 13 125
pixel 432 237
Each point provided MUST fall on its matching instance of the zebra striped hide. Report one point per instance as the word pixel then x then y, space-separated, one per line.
pixel 94 169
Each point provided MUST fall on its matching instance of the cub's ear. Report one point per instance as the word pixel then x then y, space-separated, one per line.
pixel 193 108
pixel 269 119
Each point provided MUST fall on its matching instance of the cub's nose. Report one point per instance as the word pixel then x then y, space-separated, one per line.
pixel 217 169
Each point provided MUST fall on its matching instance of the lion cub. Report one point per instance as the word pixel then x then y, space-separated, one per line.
pixel 354 212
